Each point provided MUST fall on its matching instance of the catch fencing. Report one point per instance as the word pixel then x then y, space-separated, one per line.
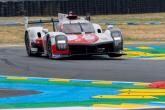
pixel 81 7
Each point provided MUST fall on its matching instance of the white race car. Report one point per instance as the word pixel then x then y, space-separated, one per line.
pixel 73 36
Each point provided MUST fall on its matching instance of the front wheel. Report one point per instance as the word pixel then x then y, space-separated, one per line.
pixel 49 48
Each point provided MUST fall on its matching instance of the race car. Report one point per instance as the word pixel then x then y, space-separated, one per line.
pixel 72 36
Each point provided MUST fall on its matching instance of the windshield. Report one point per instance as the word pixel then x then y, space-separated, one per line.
pixel 87 27
pixel 72 28
pixel 77 28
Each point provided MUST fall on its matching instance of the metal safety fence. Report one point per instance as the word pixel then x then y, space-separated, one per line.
pixel 81 7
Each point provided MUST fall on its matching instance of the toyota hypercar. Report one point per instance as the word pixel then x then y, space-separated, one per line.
pixel 72 36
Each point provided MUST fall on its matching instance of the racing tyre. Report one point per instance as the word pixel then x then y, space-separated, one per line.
pixel 114 55
pixel 27 44
pixel 49 48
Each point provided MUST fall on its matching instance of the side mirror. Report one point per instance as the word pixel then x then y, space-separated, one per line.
pixel 110 27
pixel 45 31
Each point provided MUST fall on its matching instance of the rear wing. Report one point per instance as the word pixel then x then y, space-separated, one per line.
pixel 52 20
pixel 61 17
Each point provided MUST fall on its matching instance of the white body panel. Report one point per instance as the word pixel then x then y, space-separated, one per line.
pixel 32 31
pixel 96 27
pixel 52 36
pixel 104 38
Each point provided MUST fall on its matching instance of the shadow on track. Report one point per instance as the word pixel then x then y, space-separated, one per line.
pixel 96 57
pixel 20 52
pixel 101 57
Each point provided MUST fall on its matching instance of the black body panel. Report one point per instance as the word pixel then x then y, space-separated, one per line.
pixel 96 49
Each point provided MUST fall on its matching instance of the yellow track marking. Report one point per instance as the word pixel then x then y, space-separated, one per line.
pixel 59 80
pixel 102 82
pixel 144 47
pixel 129 42
pixel 123 97
pixel 136 53
pixel 143 94
pixel 141 84
pixel 143 90
pixel 120 106
pixel 159 55
pixel 16 78
pixel 129 56
pixel 126 49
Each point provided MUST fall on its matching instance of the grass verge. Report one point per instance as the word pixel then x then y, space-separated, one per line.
pixel 15 35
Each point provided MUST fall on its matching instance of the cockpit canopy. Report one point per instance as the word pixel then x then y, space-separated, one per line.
pixel 77 28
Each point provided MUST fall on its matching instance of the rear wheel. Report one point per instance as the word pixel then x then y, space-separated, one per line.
pixel 27 44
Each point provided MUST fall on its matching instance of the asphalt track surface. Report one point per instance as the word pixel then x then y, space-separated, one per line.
pixel 15 62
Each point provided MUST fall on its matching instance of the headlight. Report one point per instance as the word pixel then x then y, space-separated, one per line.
pixel 61 42
pixel 118 40
pixel 116 35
